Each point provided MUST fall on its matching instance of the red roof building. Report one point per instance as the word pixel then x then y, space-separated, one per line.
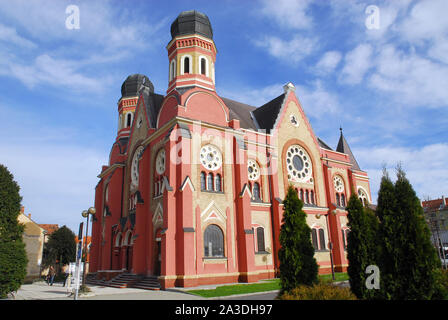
pixel 193 190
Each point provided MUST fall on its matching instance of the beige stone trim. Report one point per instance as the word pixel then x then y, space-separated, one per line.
pixel 110 169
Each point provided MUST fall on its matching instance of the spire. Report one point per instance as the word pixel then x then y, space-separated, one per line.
pixel 343 147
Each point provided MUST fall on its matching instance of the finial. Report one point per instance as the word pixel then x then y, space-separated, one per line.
pixel 340 128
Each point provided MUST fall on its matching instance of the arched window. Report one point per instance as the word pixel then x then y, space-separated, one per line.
pixel 342 200
pixel 256 191
pixel 210 182
pixel 345 233
pixel 203 66
pixel 213 241
pixel 338 200
pixel 301 195
pixel 203 182
pixel 363 197
pixel 307 195
pixel 312 197
pixel 321 239
pixel 314 239
pixel 218 183
pixel 129 119
pixel 173 70
pixel 186 65
pixel 260 239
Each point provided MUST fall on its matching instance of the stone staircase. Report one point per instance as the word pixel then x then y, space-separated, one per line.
pixel 126 280
pixel 148 283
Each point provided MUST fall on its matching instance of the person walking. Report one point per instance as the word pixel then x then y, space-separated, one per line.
pixel 51 273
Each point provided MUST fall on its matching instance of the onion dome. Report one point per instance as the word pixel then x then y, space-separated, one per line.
pixel 192 22
pixel 132 85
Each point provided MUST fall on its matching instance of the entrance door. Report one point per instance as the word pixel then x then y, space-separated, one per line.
pixel 158 255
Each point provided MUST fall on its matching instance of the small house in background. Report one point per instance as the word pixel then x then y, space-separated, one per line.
pixel 34 238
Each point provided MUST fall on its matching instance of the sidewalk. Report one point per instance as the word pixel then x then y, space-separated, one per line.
pixel 41 291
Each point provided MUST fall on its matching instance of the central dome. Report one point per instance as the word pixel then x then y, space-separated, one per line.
pixel 191 22
pixel 133 83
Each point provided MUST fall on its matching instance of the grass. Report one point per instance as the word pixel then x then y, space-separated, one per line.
pixel 268 285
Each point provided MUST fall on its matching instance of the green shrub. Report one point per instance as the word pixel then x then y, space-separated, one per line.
pixel 321 291
pixel 441 291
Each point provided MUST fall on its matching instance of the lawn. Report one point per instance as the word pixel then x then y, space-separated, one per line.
pixel 269 285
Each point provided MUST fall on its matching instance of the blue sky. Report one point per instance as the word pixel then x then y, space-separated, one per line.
pixel 387 87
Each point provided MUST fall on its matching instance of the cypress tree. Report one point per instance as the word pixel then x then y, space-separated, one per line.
pixel 362 246
pixel 13 259
pixel 419 258
pixel 408 261
pixel 297 263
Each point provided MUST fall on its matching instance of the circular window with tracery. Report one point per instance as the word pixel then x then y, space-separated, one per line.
pixel 338 184
pixel 253 170
pixel 160 162
pixel 298 164
pixel 211 157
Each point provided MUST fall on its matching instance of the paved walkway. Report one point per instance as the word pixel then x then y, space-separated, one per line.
pixel 41 291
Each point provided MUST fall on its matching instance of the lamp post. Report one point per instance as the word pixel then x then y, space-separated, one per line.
pixel 86 214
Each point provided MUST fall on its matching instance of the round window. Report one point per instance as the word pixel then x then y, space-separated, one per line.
pixel 298 164
pixel 211 157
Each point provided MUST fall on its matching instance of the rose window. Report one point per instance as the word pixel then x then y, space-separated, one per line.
pixel 253 170
pixel 298 164
pixel 211 157
pixel 338 184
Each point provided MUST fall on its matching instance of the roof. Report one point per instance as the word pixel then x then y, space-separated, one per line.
pixel 266 115
pixel 241 112
pixel 133 83
pixel 322 144
pixel 343 147
pixel 49 228
pixel 192 22
pixel 434 205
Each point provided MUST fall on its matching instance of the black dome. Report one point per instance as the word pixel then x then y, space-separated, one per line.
pixel 133 83
pixel 190 22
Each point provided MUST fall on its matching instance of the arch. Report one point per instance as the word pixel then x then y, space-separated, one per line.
pixel 363 196
pixel 210 181
pixel 172 69
pixel 203 181
pixel 256 191
pixel 127 239
pixel 261 245
pixel 187 64
pixel 203 66
pixel 118 240
pixel 213 241
pixel 218 185
pixel 129 118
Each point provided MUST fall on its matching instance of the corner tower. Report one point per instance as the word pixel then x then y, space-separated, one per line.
pixel 130 90
pixel 191 52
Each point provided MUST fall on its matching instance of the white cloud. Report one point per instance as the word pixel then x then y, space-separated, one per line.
pixel 292 51
pixel 427 20
pixel 290 14
pixel 317 101
pixel 357 63
pixel 56 72
pixel 328 62
pixel 9 35
pixel 425 166
pixel 410 79
pixel 253 97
